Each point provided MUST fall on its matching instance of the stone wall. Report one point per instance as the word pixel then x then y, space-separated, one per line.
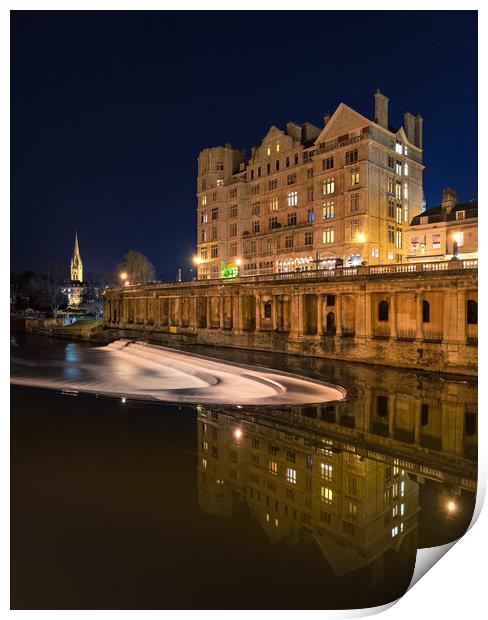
pixel 412 315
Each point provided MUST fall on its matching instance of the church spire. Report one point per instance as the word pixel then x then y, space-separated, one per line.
pixel 76 262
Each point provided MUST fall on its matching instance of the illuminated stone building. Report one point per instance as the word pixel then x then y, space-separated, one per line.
pixel 444 232
pixel 311 197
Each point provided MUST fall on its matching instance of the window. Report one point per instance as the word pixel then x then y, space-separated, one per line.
pixel 268 168
pixel 233 249
pixel 273 223
pixel 233 230
pixel 348 528
pixel 328 163
pixel 326 471
pixel 203 253
pixel 220 182
pixel 214 251
pixel 328 234
pixel 398 168
pixel 292 199
pixel 204 184
pixel 325 517
pixel 291 219
pixel 398 239
pixel 291 475
pixel 391 234
pixel 254 190
pixel 203 217
pixel 233 211
pixel 355 176
pixel 398 190
pixel 394 531
pixel 354 203
pixel 267 309
pixel 214 233
pixel 405 191
pixel 310 193
pixel 405 167
pixel 391 162
pixel 277 147
pixel 472 312
pixel 215 213
pixel 383 311
pixel 425 311
pixel 328 210
pixel 399 214
pixel 255 208
pixel 390 185
pixel 288 241
pixel 328 186
pixel 391 209
pixel 375 253
pixel 436 241
pixel 330 300
pixel 309 173
pixel 255 226
pixel 291 179
pixel 311 215
pixel 277 165
pixel 398 147
pixel 204 236
pixel 273 184
pixel 352 486
pixel 268 150
pixel 326 495
pixel 352 509
pixel 424 414
pixel 287 162
pixel 405 213
pixel 354 228
pixel 233 193
pixel 308 240
pixel 460 215
pixel 220 165
pixel 273 204
pixel 351 156
pixel 259 171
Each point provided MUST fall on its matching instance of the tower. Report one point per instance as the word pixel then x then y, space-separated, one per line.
pixel 76 263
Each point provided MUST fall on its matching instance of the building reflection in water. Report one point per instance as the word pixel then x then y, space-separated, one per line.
pixel 354 477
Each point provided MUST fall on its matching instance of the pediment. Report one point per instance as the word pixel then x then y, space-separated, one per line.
pixel 344 120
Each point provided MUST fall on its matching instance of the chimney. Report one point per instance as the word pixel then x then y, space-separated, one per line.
pixel 449 199
pixel 409 126
pixel 381 109
pixel 419 121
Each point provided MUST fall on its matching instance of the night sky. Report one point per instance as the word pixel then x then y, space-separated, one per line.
pixel 109 111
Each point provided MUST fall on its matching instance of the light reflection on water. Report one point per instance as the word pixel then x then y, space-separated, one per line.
pixel 309 507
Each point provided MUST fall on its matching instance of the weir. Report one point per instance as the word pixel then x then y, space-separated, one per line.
pixel 421 315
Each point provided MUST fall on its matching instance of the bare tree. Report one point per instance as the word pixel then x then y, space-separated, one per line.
pixel 136 268
pixel 49 287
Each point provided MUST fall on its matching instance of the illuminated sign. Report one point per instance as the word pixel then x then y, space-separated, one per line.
pixel 229 270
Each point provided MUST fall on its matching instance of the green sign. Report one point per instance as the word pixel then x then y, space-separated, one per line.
pixel 231 270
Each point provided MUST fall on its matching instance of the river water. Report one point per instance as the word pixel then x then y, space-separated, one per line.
pixel 119 503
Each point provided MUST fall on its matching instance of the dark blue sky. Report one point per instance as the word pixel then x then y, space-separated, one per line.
pixel 110 110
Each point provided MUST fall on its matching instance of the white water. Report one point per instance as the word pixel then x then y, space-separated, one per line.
pixel 138 370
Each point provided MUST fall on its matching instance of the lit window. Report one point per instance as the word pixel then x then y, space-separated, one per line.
pixel 402 488
pixel 398 239
pixel 220 182
pixel 326 471
pixel 204 463
pixel 328 210
pixel 328 234
pixel 375 252
pixel 276 522
pixel 390 255
pixel 398 168
pixel 405 213
pixel 399 214
pixel 273 468
pixel 273 204
pixel 326 495
pixel 405 150
pixel 204 199
pixel 268 150
pixel 355 178
pixel 352 509
pixel 405 191
pixel 398 190
pixel 405 167
pixel 459 238
pixel 291 475
pixel 398 147
pixel 292 199
pixel 394 511
pixel 277 147
pixel 328 186
pixel 204 217
pixel 310 215
pixel 394 531
pixel 402 509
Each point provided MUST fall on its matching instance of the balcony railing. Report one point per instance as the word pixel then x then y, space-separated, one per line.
pixel 327 274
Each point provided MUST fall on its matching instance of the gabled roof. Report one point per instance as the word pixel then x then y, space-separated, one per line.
pixel 343 120
pixel 437 215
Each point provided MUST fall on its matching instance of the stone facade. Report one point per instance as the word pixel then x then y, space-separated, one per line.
pixel 421 315
pixel 444 232
pixel 309 197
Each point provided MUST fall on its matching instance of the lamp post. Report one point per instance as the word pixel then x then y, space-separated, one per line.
pixel 198 261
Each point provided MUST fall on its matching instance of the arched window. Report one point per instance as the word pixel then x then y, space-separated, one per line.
pixel 383 311
pixel 472 312
pixel 267 310
pixel 330 323
pixel 425 311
